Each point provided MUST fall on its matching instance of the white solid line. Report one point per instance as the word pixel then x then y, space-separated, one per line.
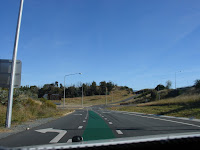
pixel 167 120
pixel 110 122
pixel 119 131
pixel 80 127
pixel 69 141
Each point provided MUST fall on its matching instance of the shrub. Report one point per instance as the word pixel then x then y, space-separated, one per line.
pixel 47 103
pixel 50 104
pixel 3 96
pixel 153 95
pixel 197 84
pixel 160 87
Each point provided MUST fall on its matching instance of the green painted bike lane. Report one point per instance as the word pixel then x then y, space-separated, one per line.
pixel 97 128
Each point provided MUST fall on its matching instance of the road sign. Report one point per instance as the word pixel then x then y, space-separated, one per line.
pixel 5 73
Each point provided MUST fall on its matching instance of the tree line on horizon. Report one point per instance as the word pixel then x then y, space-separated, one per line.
pixel 89 89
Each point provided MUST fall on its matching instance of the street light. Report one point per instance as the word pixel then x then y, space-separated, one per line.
pixel 64 85
pixel 106 96
pixel 175 78
pixel 82 97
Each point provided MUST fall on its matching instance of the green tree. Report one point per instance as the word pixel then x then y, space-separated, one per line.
pixel 93 88
pixel 110 86
pixel 197 84
pixel 168 84
pixel 160 87
pixel 103 86
pixel 61 86
pixel 56 84
pixel 34 89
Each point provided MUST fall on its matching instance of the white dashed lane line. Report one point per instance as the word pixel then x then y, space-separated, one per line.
pixel 80 127
pixel 84 120
pixel 110 122
pixel 119 132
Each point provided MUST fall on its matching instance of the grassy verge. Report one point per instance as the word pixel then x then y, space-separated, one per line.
pixel 180 106
pixel 31 109
pixel 97 99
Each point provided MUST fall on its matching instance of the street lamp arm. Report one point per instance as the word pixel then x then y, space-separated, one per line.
pixel 72 74
pixel 64 85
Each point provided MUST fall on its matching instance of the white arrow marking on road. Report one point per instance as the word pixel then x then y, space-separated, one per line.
pixel 57 138
pixel 69 141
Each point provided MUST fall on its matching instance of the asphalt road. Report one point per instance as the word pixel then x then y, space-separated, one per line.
pixel 125 100
pixel 95 123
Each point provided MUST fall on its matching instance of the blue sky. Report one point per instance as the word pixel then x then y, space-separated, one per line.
pixel 138 43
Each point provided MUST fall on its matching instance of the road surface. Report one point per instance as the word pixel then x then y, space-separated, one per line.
pixel 125 100
pixel 95 123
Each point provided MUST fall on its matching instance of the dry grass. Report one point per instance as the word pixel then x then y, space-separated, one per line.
pixel 97 99
pixel 182 99
pixel 180 106
pixel 31 110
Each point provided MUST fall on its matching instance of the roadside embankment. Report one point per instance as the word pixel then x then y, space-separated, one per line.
pixel 29 112
pixel 180 106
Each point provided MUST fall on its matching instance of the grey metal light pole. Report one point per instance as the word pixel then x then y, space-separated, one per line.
pixel 82 97
pixel 12 77
pixel 106 96
pixel 112 96
pixel 175 79
pixel 64 85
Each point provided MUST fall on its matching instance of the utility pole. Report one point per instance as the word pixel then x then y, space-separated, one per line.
pixel 12 77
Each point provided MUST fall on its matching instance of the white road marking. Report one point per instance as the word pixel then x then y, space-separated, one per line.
pixel 110 122
pixel 167 120
pixel 69 141
pixel 84 120
pixel 119 132
pixel 58 137
pixel 105 118
pixel 80 127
